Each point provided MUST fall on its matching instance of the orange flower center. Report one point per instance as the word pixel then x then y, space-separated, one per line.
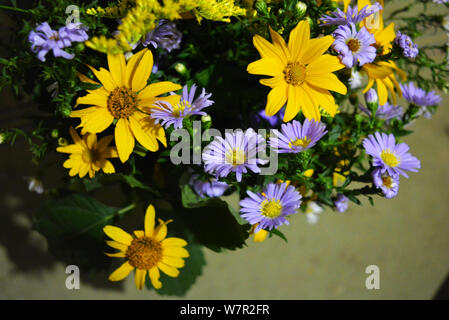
pixel 122 102
pixel 295 73
pixel 354 45
pixel 144 253
pixel 388 182
pixel 90 156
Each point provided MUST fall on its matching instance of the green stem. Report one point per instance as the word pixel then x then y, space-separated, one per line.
pixel 126 209
pixel 14 9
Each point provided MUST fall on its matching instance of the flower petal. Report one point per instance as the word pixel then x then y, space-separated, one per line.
pixel 117 234
pixel 140 278
pixel 150 217
pixel 276 99
pixel 154 277
pixel 168 270
pixel 121 272
pixel 158 88
pixel 144 137
pixel 298 40
pixel 124 139
pixel 117 67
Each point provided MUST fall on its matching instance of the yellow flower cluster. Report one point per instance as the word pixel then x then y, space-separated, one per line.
pixel 143 16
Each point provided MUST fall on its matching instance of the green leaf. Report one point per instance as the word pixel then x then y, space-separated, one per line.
pixel 278 233
pixel 73 227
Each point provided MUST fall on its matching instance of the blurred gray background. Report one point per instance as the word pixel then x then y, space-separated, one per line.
pixel 406 237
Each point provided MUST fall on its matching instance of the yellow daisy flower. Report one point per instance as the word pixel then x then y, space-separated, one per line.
pixel 126 97
pixel 383 73
pixel 302 73
pixel 147 251
pixel 87 155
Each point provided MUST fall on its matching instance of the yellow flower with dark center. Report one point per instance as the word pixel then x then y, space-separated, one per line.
pixel 383 73
pixel 302 73
pixel 148 250
pixel 126 97
pixel 87 155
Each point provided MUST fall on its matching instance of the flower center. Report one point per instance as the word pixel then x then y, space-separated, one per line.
pixel 235 157
pixel 354 45
pixel 178 110
pixel 55 36
pixel 304 142
pixel 295 73
pixel 387 181
pixel 144 253
pixel 271 208
pixel 122 102
pixel 390 158
pixel 90 156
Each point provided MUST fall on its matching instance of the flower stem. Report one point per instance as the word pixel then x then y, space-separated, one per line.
pixel 14 9
pixel 126 209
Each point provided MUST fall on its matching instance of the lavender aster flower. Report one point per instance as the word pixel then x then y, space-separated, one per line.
pixel 389 184
pixel 165 35
pixel 211 188
pixel 354 46
pixel 295 137
pixel 341 203
pixel 390 157
pixel 168 115
pixel 273 121
pixel 269 208
pixel 418 96
pixel 43 39
pixel 236 153
pixel 409 48
pixel 352 15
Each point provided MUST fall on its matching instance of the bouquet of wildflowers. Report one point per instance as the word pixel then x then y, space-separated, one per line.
pixel 223 119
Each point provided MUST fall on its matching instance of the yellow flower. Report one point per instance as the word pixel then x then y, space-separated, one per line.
pixel 302 73
pixel 259 236
pixel 87 155
pixel 125 97
pixel 375 25
pixel 147 251
pixel 383 73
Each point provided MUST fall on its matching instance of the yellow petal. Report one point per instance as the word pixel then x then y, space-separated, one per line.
pixel 139 233
pixel 85 79
pixel 324 64
pixel 143 71
pixel 122 272
pixel 316 48
pixel 132 65
pixel 273 82
pixel 140 278
pixel 107 167
pixel 150 217
pixel 93 99
pixel 298 40
pixel 96 121
pixel 124 140
pixel 293 103
pixel 175 252
pixel 260 236
pixel 110 152
pixel 324 99
pixel 116 255
pixel 91 140
pixel 276 99
pixel 173 242
pixel 117 234
pixel 279 43
pixel 84 168
pixel 75 137
pixel 168 270
pixel 160 232
pixel 265 66
pixel 173 262
pixel 145 137
pixel 117 67
pixel 71 148
pixel 327 81
pixel 308 108
pixel 117 245
pixel 104 143
pixel 154 277
pixel 267 50
pixel 382 92
pixel 105 78
pixel 158 88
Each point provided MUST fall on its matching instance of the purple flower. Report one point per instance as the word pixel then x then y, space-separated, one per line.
pixel 409 48
pixel 354 46
pixel 269 208
pixel 341 203
pixel 418 96
pixel 389 184
pixel 165 35
pixel 273 121
pixel 169 115
pixel 386 112
pixel 351 16
pixel 211 188
pixel 390 157
pixel 371 96
pixel 236 153
pixel 43 39
pixel 295 137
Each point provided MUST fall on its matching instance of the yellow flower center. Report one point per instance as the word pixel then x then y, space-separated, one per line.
pixel 235 157
pixel 180 107
pixel 390 158
pixel 295 73
pixel 90 156
pixel 354 45
pixel 271 208
pixel 122 102
pixel 304 142
pixel 387 181
pixel 144 253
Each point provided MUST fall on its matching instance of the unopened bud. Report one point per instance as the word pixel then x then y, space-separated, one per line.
pixel 371 96
pixel 206 118
pixel 2 138
pixel 301 9
pixel 261 7
pixel 62 142
pixel 181 68
pixel 54 133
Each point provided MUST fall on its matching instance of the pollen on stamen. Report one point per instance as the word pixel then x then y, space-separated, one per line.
pixel 122 102
pixel 144 253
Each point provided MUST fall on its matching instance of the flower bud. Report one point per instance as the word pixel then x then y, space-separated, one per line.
pixel 180 68
pixel 54 133
pixel 371 96
pixel 62 142
pixel 206 118
pixel 2 138
pixel 261 7
pixel 300 9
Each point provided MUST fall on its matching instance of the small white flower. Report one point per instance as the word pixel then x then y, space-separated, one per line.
pixel 312 212
pixel 355 81
pixel 35 185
